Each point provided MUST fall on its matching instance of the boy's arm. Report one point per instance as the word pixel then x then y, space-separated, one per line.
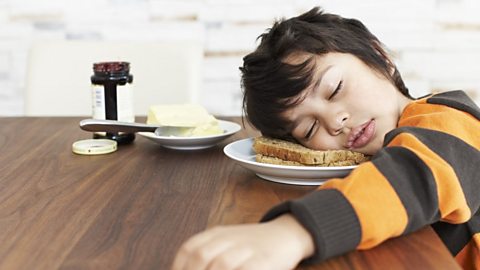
pixel 279 244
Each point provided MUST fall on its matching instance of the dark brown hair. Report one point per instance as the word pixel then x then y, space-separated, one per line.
pixel 270 85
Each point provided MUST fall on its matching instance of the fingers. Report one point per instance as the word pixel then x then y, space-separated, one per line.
pixel 257 246
pixel 183 254
pixel 220 255
pixel 231 259
pixel 202 256
pixel 223 255
pixel 197 252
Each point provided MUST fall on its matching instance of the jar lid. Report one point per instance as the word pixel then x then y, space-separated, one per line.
pixel 94 147
pixel 111 67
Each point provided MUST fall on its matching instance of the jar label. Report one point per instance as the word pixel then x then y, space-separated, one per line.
pixel 124 103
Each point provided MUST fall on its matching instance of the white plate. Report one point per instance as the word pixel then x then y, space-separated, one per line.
pixel 242 152
pixel 194 143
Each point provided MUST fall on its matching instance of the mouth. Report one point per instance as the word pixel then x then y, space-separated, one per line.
pixel 361 135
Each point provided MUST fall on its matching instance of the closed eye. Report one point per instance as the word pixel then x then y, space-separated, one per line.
pixel 310 131
pixel 339 87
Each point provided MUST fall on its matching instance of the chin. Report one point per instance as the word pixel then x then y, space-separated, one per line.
pixel 364 151
pixel 371 149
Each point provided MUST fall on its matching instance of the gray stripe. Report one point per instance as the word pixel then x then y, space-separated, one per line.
pixel 463 158
pixel 329 218
pixel 454 236
pixel 457 236
pixel 457 100
pixel 414 183
pixel 474 223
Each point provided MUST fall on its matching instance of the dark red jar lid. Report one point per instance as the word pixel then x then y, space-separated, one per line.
pixel 111 67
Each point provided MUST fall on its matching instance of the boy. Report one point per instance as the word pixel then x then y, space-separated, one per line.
pixel 327 83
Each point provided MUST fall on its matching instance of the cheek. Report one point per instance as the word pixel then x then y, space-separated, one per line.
pixel 372 92
pixel 323 141
pixel 373 105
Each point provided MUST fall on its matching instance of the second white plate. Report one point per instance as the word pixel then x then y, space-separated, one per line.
pixel 194 143
pixel 242 152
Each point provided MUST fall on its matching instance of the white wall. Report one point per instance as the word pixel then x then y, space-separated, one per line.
pixel 436 43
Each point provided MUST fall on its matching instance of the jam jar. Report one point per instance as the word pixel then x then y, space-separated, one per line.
pixel 112 97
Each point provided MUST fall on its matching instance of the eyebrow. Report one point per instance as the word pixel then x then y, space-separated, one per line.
pixel 315 86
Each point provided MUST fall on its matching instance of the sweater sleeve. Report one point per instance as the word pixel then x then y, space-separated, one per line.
pixel 427 172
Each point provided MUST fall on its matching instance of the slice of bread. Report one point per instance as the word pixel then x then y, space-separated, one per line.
pixel 275 151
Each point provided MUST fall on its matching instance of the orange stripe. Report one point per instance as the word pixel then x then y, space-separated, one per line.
pixel 452 203
pixel 433 116
pixel 372 196
pixel 469 256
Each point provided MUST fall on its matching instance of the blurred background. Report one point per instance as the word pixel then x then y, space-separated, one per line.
pixel 435 43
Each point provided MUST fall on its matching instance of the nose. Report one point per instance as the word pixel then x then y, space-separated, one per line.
pixel 337 124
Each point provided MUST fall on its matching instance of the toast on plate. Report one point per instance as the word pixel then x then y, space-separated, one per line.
pixel 281 152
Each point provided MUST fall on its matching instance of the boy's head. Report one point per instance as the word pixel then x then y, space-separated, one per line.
pixel 283 73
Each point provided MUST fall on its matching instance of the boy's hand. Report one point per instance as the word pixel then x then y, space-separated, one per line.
pixel 279 244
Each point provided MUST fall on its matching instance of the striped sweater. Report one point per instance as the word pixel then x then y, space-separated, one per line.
pixel 427 173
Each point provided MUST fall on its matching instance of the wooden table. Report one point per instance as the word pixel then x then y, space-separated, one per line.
pixel 133 208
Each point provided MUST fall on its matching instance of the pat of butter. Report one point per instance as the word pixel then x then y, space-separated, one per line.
pixel 185 115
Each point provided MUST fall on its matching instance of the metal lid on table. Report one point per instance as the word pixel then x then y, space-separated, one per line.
pixel 94 147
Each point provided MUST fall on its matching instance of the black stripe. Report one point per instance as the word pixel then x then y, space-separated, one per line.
pixel 330 219
pixel 457 100
pixel 424 96
pixel 474 223
pixel 414 183
pixel 111 110
pixel 454 236
pixel 457 236
pixel 463 158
